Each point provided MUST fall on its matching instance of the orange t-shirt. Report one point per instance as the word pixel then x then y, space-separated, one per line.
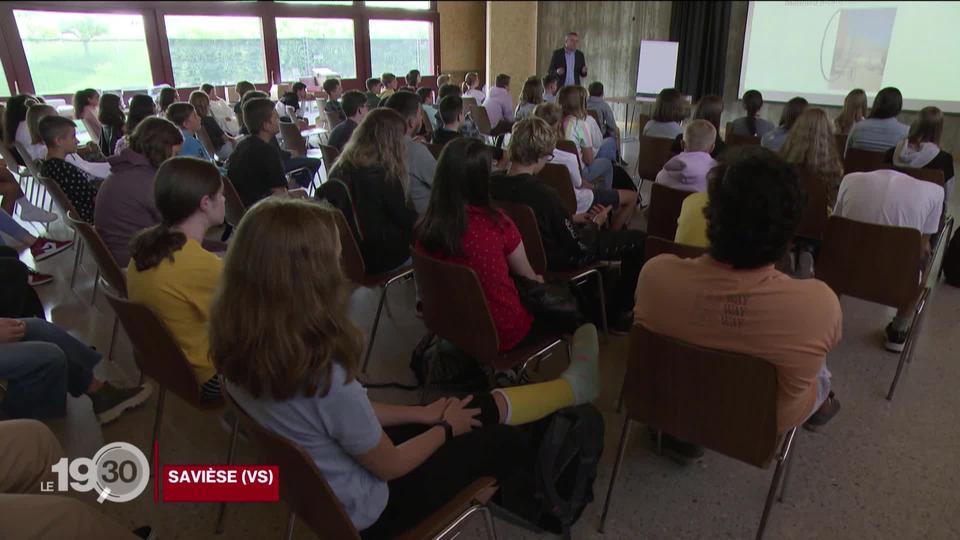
pixel 762 312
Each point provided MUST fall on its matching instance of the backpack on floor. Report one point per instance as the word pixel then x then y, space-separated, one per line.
pixel 951 260
pixel 568 446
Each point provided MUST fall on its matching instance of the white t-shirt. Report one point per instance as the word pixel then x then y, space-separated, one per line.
pixel 570 161
pixel 888 197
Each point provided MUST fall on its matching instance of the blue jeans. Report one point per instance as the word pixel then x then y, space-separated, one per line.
pixel 41 368
pixel 600 168
pixel 608 149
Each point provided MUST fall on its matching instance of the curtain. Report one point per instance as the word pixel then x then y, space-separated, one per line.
pixel 701 29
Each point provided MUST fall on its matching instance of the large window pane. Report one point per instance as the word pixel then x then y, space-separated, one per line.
pixel 399 46
pixel 316 46
pixel 4 87
pixel 315 2
pixel 215 50
pixel 70 51
pixel 399 4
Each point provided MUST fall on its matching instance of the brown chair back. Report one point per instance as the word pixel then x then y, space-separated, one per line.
pixel 454 306
pixel 655 245
pixel 302 485
pixel 156 351
pixel 350 257
pixel 234 207
pixel 293 141
pixel 724 401
pixel 59 197
pixel 664 210
pixel 569 146
pixel 333 119
pixel 595 115
pixel 205 140
pixel 109 269
pixel 814 218
pixel 435 149
pixel 876 263
pixel 558 177
pixel 734 139
pixel 427 128
pixel 841 143
pixel 653 153
pixel 927 175
pixel 526 222
pixel 482 119
pixel 329 155
pixel 857 160
pixel 469 102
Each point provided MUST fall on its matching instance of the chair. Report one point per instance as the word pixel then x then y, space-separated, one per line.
pixel 333 119
pixel 308 495
pixel 292 140
pixel 160 357
pixel 857 160
pixel 526 221
pixel 571 147
pixel 733 139
pixel 658 246
pixel 427 126
pixel 664 210
pixel 595 115
pixel 470 102
pixel 60 199
pixel 234 209
pixel 482 120
pixel 558 177
pixel 640 120
pixel 330 155
pixel 205 140
pixel 30 171
pixel 653 153
pixel 735 413
pixel 927 175
pixel 814 218
pixel 337 194
pixel 455 309
pixel 435 149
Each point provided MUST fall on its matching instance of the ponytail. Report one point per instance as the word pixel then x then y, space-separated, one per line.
pixel 752 124
pixel 151 246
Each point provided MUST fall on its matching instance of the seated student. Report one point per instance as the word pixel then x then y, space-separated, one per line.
pixel 252 94
pixel 428 104
pixel 551 85
pixel 668 111
pixel 888 197
pixel 413 79
pixel 709 108
pixel 442 79
pixel 471 88
pixel 881 130
pixel 28 454
pixel 59 134
pixel 142 107
pixel 220 110
pixel 85 107
pixel 583 130
pixel 389 466
pixel 125 202
pixel 37 150
pixel 256 166
pixel 450 110
pixel 499 105
pixel 14 122
pixel 40 361
pixel 419 162
pixel 468 128
pixel 566 248
pixel 608 122
pixel 374 87
pixel 302 169
pixel 390 85
pixel 222 141
pixel 355 107
pixel 791 111
pixel 111 120
pixel 241 88
pixel 854 110
pixel 752 125
pixel 530 97
pixel 185 117
pixel 287 107
pixel 300 93
pixel 812 148
pixel 921 149
pixel 170 272
pixel 333 108
pixel 168 96
pixel 688 169
pixel 373 166
pixel 733 299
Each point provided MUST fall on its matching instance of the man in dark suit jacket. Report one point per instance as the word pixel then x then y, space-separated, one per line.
pixel 560 62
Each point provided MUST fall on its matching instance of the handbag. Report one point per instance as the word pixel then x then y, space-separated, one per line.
pixel 552 303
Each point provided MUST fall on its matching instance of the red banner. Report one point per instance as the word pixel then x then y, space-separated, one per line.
pixel 221 483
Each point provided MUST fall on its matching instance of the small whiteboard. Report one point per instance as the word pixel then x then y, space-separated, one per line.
pixel 657 67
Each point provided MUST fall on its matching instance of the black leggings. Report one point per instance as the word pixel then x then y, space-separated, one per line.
pixel 627 247
pixel 492 450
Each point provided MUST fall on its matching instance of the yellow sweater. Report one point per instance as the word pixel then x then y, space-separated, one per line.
pixel 691 225
pixel 180 292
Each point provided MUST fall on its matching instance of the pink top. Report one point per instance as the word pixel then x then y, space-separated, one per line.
pixel 499 106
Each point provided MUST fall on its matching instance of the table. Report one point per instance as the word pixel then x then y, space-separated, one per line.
pixel 632 108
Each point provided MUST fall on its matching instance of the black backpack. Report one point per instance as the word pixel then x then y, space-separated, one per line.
pixel 951 260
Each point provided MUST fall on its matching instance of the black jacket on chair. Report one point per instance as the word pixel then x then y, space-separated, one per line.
pixel 558 60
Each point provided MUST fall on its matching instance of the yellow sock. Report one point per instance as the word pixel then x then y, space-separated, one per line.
pixel 531 402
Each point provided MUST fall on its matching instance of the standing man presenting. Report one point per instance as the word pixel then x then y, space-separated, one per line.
pixel 569 63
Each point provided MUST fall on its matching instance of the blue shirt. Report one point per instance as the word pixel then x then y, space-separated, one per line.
pixel 193 147
pixel 571 58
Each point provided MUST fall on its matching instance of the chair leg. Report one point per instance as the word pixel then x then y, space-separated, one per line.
pixel 96 283
pixel 488 522
pixel 777 474
pixel 113 338
pixel 624 436
pixel 156 428
pixel 912 337
pixel 373 331
pixel 230 453
pixel 786 477
pixel 291 521
pixel 78 252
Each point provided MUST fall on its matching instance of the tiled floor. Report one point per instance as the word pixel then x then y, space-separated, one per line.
pixel 879 470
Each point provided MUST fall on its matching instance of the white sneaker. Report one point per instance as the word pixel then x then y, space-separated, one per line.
pixel 29 212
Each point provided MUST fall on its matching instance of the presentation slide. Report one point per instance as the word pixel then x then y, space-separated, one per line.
pixel 822 50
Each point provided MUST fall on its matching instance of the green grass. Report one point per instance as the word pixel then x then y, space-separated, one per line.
pixel 64 68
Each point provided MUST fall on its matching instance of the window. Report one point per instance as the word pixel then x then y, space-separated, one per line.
pixel 318 3
pixel 316 47
pixel 215 50
pixel 70 51
pixel 424 6
pixel 399 46
pixel 4 87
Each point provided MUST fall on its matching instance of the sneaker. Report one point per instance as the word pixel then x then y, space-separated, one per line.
pixel 623 324
pixel 36 214
pixel 35 278
pixel 805 265
pixel 896 339
pixel 682 452
pixel 147 533
pixel 45 248
pixel 824 414
pixel 109 402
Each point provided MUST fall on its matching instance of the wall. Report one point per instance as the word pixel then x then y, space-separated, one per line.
pixel 511 42
pixel 462 36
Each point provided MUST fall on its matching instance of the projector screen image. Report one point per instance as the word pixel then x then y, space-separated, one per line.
pixel 822 50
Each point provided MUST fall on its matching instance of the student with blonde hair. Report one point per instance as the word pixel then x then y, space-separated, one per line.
pixel 471 87
pixel 811 147
pixel 583 130
pixel 688 169
pixel 854 110
pixel 222 142
pixel 709 108
pixel 921 149
pixel 390 466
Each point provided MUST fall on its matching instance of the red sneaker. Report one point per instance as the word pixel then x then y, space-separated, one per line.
pixel 36 278
pixel 45 248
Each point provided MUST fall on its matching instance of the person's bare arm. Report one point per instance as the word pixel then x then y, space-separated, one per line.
pixel 520 265
pixel 586 153
pixel 393 415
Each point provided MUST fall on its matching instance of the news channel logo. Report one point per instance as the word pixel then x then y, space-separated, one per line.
pixel 118 472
